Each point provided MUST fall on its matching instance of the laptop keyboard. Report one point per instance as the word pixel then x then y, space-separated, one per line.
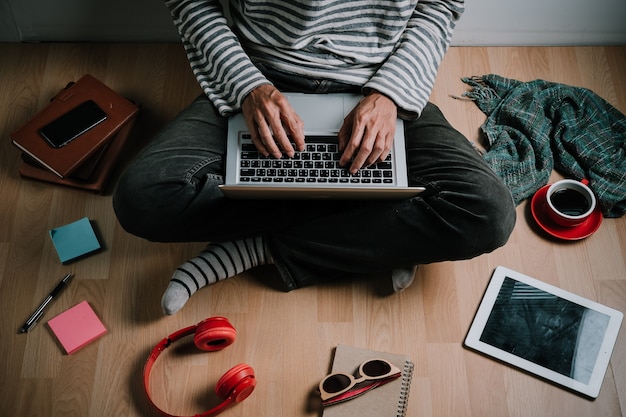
pixel 317 164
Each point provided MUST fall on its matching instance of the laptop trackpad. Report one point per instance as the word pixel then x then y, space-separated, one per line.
pixel 319 112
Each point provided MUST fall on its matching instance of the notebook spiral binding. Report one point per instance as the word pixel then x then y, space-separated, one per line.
pixel 407 377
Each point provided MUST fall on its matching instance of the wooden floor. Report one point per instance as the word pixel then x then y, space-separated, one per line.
pixel 287 337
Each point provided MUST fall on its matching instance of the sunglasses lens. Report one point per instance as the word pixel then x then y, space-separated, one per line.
pixel 376 368
pixel 336 383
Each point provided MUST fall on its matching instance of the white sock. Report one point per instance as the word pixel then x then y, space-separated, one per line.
pixel 216 262
pixel 402 278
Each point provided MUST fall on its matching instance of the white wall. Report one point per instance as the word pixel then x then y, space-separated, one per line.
pixel 485 22
pixel 8 29
pixel 91 20
pixel 542 22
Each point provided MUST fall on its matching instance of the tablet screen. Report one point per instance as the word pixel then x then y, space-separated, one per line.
pixel 545 330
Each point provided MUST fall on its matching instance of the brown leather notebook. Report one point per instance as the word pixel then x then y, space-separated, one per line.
pixel 93 174
pixel 64 160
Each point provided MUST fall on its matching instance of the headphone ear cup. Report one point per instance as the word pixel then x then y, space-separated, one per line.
pixel 236 384
pixel 214 333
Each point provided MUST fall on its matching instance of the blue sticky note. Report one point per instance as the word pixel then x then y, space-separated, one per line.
pixel 74 240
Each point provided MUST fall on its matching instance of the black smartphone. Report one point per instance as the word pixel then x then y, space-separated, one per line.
pixel 72 124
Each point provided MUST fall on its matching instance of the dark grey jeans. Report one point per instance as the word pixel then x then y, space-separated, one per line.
pixel 170 194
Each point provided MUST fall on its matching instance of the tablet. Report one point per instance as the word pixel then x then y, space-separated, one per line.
pixel 542 329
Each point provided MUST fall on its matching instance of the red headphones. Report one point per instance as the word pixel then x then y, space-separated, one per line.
pixel 210 334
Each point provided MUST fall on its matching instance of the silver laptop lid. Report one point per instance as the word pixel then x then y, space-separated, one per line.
pixel 323 115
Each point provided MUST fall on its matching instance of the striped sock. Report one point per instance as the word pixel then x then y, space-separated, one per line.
pixel 216 262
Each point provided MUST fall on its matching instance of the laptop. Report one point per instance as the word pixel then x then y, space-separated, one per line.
pixel 313 173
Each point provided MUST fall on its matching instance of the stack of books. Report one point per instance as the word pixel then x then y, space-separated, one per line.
pixel 76 139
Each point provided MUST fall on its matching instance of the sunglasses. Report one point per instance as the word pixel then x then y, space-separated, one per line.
pixel 339 387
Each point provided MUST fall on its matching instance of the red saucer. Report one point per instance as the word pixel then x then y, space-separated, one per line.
pixel 538 208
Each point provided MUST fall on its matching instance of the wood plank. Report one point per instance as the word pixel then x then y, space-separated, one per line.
pixel 286 337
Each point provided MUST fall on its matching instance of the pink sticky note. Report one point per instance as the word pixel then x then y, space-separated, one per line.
pixel 77 327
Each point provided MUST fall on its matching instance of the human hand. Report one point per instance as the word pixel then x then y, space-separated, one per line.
pixel 367 133
pixel 272 122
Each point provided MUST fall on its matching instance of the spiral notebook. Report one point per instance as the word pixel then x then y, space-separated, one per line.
pixel 389 400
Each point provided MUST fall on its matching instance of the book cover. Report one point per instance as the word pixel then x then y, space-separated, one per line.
pixel 93 174
pixel 66 159
pixel 389 400
pixel 77 327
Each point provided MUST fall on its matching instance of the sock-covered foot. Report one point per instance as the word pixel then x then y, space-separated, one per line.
pixel 402 278
pixel 216 262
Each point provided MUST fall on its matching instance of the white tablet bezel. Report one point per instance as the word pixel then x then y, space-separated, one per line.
pixel 592 387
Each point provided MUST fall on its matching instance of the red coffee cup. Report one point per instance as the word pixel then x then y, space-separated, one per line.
pixel 570 202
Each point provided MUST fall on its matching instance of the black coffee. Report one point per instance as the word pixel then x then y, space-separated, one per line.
pixel 570 202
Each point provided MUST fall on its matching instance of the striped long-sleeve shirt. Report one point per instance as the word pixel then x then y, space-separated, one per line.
pixel 394 47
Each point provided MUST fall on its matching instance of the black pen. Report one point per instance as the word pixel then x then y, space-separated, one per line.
pixel 32 320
